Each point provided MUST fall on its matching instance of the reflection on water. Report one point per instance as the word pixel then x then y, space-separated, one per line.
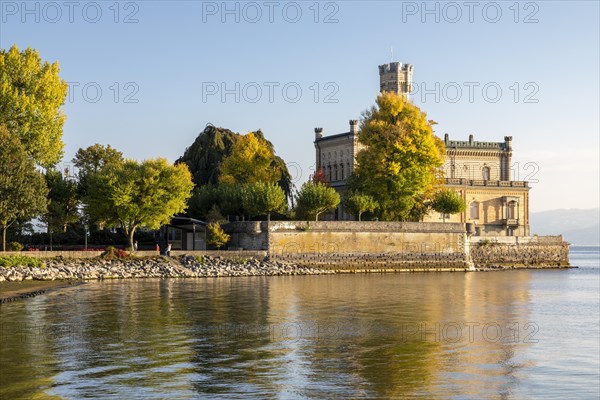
pixel 514 334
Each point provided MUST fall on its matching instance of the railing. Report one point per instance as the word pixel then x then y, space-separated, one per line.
pixel 511 222
pixel 481 182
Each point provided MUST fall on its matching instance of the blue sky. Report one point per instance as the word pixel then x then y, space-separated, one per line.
pixel 143 75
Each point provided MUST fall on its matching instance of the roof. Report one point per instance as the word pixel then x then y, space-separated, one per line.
pixel 186 223
pixel 337 136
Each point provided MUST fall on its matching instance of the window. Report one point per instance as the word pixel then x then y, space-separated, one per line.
pixel 342 171
pixel 511 211
pixel 474 210
pixel 486 173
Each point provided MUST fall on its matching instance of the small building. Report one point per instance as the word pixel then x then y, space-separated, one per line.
pixel 183 233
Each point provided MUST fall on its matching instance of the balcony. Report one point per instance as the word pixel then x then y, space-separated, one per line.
pixel 511 222
pixel 480 182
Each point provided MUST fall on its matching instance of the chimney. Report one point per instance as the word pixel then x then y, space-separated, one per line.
pixel 446 138
pixel 354 126
pixel 318 133
pixel 471 139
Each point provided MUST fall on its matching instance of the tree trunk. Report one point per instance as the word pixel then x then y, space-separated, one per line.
pixel 130 234
pixel 3 238
pixel 359 215
pixel 269 217
pixel 316 216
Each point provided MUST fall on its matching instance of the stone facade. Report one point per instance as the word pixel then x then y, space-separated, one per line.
pixel 396 77
pixel 481 173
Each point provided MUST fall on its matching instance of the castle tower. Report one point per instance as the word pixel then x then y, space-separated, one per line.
pixel 396 77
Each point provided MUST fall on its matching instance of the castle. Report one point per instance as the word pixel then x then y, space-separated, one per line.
pixel 479 171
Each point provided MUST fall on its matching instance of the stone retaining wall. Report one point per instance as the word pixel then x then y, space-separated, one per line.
pixel 350 246
pixel 534 251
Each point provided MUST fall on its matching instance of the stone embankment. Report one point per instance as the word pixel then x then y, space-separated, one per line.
pixel 154 267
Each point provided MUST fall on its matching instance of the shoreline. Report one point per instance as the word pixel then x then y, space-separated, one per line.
pixel 14 291
pixel 19 283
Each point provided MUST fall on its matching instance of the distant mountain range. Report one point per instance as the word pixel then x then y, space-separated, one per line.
pixel 579 227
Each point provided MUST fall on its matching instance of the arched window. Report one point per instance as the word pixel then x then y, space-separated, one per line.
pixel 474 210
pixel 342 171
pixel 335 169
pixel 486 173
pixel 329 173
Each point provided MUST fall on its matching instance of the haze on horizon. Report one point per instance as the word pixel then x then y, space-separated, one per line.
pixel 146 77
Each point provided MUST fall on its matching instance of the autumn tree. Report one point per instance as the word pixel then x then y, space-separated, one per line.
pixel 447 201
pixel 401 159
pixel 23 189
pixel 132 194
pixel 313 199
pixel 205 158
pixel 264 198
pixel 250 161
pixel 319 177
pixel 357 204
pixel 31 97
pixel 216 236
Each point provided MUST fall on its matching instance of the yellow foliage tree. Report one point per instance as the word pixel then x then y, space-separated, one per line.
pixel 401 161
pixel 251 161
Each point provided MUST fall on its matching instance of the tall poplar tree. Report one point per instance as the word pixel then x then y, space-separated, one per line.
pixel 31 97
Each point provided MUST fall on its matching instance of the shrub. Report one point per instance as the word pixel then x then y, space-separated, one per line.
pixel 20 261
pixel 216 235
pixel 111 253
pixel 14 246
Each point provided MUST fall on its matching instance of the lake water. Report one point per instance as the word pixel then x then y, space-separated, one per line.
pixel 506 334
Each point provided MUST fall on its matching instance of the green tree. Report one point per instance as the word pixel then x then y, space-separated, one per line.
pixel 31 97
pixel 63 202
pixel 230 200
pixel 23 189
pixel 216 235
pixel 202 201
pixel 315 198
pixel 357 203
pixel 448 201
pixel 205 155
pixel 96 157
pixel 91 160
pixel 133 194
pixel 264 198
pixel 401 159
pixel 227 198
